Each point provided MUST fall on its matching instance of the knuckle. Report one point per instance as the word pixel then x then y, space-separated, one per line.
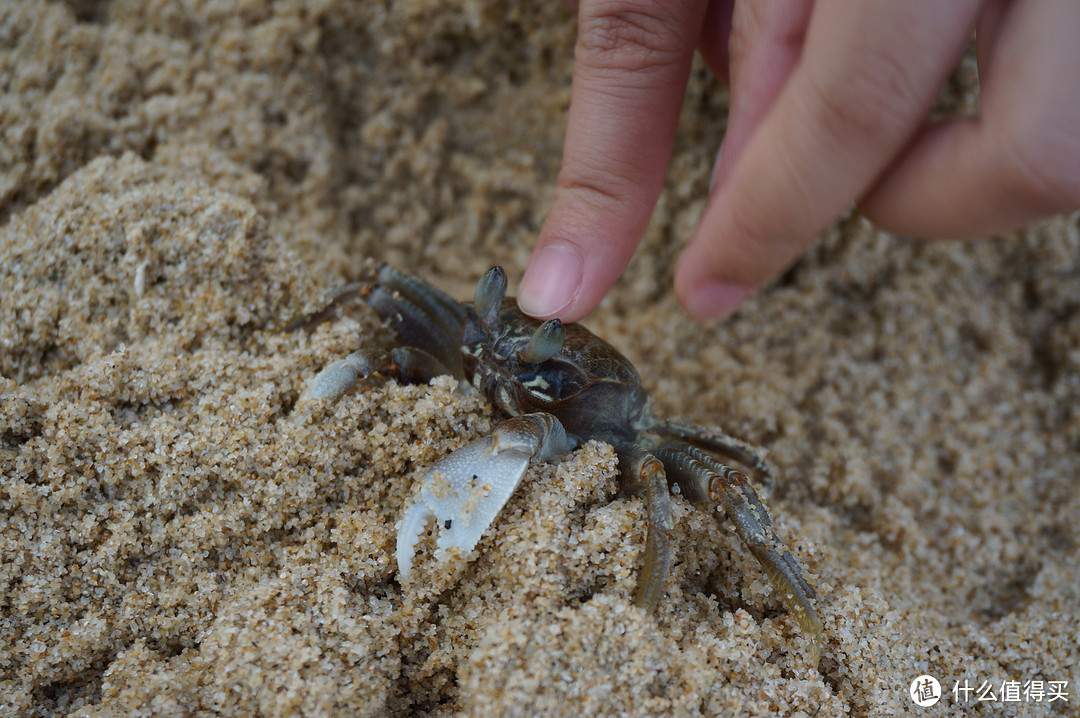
pixel 592 187
pixel 629 36
pixel 876 102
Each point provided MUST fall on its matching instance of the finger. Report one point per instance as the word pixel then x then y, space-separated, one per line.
pixel 631 65
pixel 766 41
pixel 868 74
pixel 1019 161
pixel 986 31
pixel 714 37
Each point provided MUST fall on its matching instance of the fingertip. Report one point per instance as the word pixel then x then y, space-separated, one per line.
pixel 713 300
pixel 706 297
pixel 552 282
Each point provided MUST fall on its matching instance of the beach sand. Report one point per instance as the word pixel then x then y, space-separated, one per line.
pixel 183 534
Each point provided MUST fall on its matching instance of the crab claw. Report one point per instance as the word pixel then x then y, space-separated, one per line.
pixel 466 490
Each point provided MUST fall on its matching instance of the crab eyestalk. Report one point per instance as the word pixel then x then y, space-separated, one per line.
pixel 490 291
pixel 545 343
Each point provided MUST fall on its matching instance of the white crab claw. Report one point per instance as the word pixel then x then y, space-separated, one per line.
pixel 465 492
pixel 467 489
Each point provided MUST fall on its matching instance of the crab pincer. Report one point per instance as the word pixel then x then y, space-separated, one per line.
pixel 466 490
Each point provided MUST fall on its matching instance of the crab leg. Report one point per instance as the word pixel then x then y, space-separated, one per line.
pixel 724 444
pixel 642 473
pixel 407 364
pixel 333 299
pixel 421 316
pixel 709 484
pixel 466 490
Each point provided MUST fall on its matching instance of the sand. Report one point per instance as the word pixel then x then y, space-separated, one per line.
pixel 182 534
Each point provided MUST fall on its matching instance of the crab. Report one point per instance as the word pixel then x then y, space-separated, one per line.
pixel 561 386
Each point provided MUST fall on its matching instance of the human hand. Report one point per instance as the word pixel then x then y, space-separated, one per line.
pixel 829 103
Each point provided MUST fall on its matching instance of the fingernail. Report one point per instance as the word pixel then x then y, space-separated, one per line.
pixel 715 167
pixel 712 299
pixel 551 281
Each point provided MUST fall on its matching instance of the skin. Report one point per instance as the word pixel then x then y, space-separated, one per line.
pixel 829 102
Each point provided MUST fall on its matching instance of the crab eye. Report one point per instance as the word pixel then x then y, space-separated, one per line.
pixel 545 343
pixel 490 291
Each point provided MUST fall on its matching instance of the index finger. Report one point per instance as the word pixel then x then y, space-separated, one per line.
pixel 631 65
